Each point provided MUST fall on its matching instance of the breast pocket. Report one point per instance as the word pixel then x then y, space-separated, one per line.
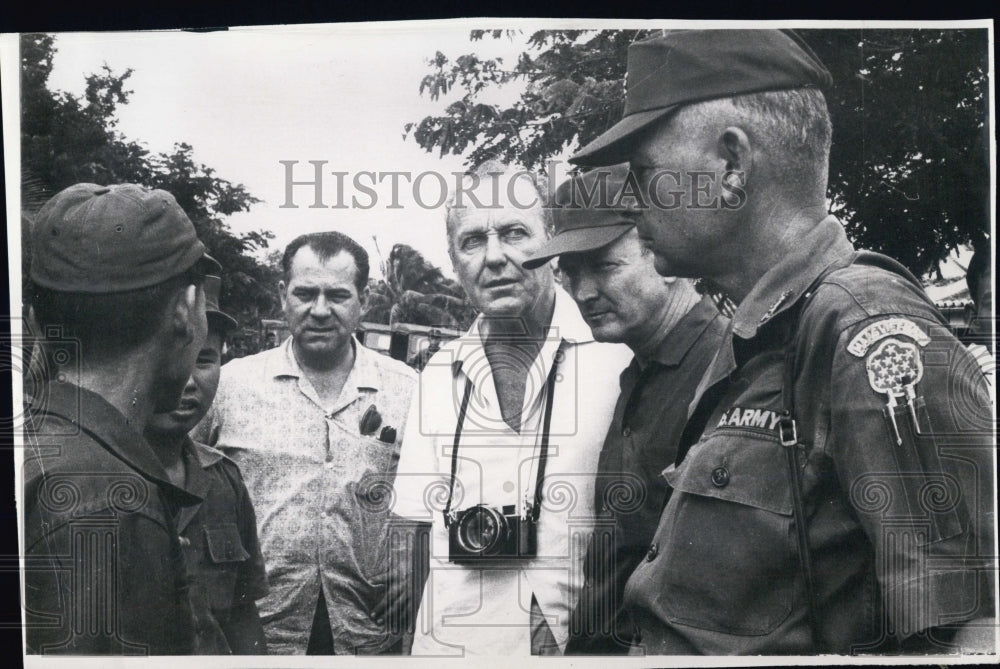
pixel 226 556
pixel 729 561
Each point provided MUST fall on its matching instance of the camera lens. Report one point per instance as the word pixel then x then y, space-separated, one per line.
pixel 482 530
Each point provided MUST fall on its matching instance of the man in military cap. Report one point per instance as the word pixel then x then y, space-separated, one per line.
pixel 117 277
pixel 219 535
pixel 833 486
pixel 674 333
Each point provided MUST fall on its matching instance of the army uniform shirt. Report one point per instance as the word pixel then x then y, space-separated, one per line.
pixel 630 491
pixel 896 467
pixel 219 537
pixel 104 571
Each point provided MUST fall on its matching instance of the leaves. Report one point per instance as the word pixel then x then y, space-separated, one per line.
pixel 67 139
pixel 416 292
pixel 909 169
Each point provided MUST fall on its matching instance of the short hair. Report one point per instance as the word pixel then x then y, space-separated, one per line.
pixel 494 169
pixel 326 245
pixel 793 126
pixel 109 324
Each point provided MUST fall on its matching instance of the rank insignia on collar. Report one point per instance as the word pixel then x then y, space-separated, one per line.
pixel 887 327
pixel 774 307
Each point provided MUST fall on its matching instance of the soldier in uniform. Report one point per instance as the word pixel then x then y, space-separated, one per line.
pixel 833 487
pixel 673 333
pixel 218 535
pixel 117 275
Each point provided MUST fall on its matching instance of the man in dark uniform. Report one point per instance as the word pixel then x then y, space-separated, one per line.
pixel 833 487
pixel 674 333
pixel 117 278
pixel 219 535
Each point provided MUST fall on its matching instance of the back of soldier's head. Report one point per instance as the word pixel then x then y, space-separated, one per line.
pixel 107 261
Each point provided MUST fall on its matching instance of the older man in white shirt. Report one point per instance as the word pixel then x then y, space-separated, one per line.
pixel 510 416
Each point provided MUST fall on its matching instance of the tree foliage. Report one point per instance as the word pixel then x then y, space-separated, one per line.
pixel 909 170
pixel 415 291
pixel 67 139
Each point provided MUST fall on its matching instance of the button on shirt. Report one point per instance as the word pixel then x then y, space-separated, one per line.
pixel 486 610
pixel 317 487
pixel 630 489
pixel 900 532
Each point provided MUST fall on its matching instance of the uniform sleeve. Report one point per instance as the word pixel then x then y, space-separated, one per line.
pixel 912 443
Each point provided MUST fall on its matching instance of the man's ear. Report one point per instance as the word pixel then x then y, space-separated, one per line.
pixel 363 297
pixel 281 293
pixel 735 149
pixel 184 305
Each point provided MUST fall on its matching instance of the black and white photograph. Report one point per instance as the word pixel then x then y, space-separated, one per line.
pixel 466 340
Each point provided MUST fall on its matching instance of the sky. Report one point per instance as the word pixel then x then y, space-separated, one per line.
pixel 248 98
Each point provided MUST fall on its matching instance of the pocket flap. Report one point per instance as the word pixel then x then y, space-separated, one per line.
pixel 224 544
pixel 736 466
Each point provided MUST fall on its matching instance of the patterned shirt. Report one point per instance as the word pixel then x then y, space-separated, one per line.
pixel 315 480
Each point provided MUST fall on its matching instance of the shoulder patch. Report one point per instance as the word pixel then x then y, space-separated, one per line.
pixel 893 365
pixel 888 327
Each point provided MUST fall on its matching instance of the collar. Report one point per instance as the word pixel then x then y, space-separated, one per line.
pixel 567 326
pixel 783 285
pixel 567 321
pixel 113 432
pixel 281 361
pixel 197 459
pixel 364 373
pixel 205 455
pixel 685 333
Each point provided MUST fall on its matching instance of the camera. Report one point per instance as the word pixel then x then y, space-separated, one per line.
pixel 482 532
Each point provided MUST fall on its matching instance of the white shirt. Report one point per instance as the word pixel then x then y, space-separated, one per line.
pixel 485 610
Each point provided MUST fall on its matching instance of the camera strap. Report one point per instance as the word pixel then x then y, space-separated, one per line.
pixel 544 454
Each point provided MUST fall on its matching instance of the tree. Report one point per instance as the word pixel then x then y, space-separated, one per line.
pixel 416 292
pixel 66 139
pixel 909 170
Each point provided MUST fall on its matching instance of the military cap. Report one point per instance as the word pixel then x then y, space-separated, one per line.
pixel 688 66
pixel 216 316
pixel 110 239
pixel 587 214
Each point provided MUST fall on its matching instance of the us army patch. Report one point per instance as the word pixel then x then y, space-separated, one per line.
pixel 760 418
pixel 886 328
pixel 893 365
